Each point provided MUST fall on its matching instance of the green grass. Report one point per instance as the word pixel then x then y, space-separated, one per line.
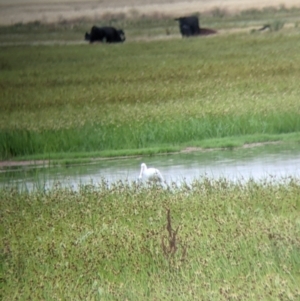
pixel 233 242
pixel 78 102
pixel 156 95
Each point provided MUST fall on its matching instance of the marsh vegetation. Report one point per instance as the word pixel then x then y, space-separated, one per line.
pixel 214 240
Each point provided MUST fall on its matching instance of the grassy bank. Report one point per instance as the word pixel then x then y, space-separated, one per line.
pixel 220 241
pixel 149 94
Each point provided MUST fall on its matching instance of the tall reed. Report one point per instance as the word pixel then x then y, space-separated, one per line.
pixel 136 136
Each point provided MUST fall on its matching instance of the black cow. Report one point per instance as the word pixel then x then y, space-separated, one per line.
pixel 185 30
pixel 189 26
pixel 105 34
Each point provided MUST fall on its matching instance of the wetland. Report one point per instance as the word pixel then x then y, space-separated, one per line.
pixel 77 226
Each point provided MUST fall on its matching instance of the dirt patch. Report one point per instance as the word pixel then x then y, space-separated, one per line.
pixel 17 11
pixel 248 145
pixel 7 164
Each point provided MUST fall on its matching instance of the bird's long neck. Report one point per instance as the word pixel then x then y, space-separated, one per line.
pixel 142 171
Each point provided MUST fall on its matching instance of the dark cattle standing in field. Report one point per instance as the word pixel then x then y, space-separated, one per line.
pixel 105 34
pixel 189 26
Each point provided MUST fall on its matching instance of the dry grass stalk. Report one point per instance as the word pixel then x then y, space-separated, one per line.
pixel 171 247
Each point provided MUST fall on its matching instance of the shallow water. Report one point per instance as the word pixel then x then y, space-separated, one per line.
pixel 268 162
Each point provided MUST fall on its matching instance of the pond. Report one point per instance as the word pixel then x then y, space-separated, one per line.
pixel 259 163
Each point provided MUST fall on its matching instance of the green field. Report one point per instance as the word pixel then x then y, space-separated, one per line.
pixel 214 240
pixel 221 241
pixel 149 94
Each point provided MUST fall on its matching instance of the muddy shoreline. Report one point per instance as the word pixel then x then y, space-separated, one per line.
pixel 11 163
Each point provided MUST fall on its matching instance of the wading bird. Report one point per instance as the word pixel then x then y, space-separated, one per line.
pixel 150 173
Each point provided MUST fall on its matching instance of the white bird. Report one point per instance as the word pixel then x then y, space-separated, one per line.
pixel 150 173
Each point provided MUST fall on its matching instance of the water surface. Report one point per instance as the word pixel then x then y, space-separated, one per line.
pixel 261 163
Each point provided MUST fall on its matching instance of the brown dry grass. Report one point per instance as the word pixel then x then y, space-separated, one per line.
pixel 14 11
